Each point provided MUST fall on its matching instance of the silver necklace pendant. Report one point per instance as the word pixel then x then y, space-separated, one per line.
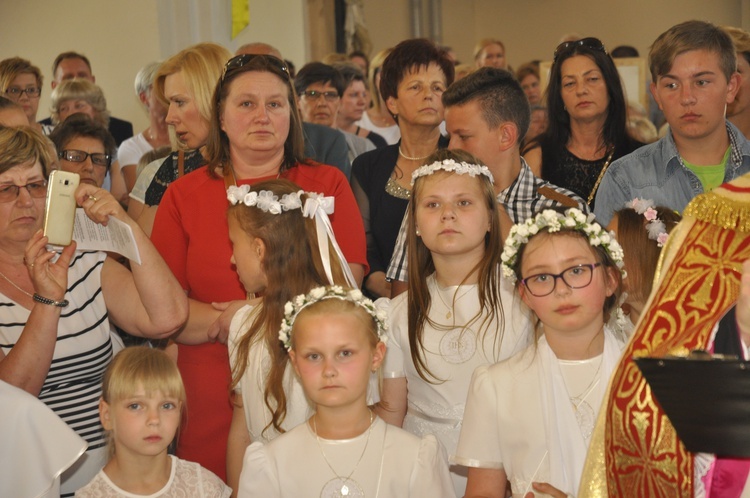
pixel 342 488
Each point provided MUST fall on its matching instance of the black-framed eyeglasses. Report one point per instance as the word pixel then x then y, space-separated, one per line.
pixel 78 156
pixel 9 193
pixel 575 277
pixel 590 43
pixel 316 95
pixel 31 92
pixel 238 61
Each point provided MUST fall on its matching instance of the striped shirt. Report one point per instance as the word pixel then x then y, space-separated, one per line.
pixel 83 350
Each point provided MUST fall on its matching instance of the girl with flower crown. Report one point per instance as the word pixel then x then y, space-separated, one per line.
pixel 457 315
pixel 642 229
pixel 277 253
pixel 529 419
pixel 336 338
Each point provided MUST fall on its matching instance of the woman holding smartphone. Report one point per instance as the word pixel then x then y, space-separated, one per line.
pixel 56 338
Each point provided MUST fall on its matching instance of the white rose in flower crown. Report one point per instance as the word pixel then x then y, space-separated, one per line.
pixel 318 292
pixel 288 308
pixel 291 201
pixel 250 198
pixel 355 294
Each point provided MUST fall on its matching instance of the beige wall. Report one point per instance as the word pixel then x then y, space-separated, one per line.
pixel 121 36
pixel 531 29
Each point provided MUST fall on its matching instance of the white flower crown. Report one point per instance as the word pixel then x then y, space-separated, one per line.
pixel 292 309
pixel 461 168
pixel 553 221
pixel 656 228
pixel 268 202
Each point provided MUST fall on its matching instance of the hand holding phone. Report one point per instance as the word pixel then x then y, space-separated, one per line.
pixel 60 210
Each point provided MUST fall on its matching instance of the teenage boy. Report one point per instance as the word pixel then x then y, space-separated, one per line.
pixel 694 71
pixel 487 115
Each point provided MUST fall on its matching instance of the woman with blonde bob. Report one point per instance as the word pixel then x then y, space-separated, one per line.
pixel 184 83
pixel 490 52
pixel 21 82
pixel 79 95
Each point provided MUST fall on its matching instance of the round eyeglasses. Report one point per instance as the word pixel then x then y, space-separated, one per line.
pixel 575 277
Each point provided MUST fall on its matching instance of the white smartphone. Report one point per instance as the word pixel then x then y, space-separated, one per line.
pixel 60 211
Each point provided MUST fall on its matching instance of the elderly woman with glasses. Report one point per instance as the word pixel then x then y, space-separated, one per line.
pixel 255 134
pixel 21 82
pixel 57 310
pixel 587 127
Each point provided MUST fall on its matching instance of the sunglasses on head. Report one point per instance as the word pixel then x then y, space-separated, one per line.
pixel 590 43
pixel 238 61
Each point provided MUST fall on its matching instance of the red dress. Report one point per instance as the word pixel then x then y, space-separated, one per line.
pixel 191 233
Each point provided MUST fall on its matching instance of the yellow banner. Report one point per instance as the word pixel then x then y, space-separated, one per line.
pixel 240 16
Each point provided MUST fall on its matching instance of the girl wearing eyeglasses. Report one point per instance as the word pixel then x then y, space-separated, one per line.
pixel 528 420
pixel 21 82
pixel 587 120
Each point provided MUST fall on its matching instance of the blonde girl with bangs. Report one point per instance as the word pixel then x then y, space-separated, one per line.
pixel 143 399
pixel 276 255
pixel 458 314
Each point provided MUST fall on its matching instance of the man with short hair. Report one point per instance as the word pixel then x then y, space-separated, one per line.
pixel 487 114
pixel 694 71
pixel 69 65
pixel 319 88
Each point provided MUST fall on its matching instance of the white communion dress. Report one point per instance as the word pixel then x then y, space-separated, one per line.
pixel 386 463
pixel 533 415
pixel 452 354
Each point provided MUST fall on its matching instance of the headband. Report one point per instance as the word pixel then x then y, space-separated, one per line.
pixel 460 168
pixel 553 221
pixel 316 206
pixel 656 228
pixel 293 308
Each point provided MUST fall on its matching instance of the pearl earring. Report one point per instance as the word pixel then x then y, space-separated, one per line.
pixel 418 232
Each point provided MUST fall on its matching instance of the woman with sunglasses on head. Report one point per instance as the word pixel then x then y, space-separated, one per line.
pixel 587 127
pixel 21 82
pixel 255 135
pixel 413 79
pixel 57 310
pixel 184 83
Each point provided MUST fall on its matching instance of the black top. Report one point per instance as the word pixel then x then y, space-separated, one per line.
pixel 168 172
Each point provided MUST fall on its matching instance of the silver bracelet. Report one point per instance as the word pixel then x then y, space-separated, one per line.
pixel 51 302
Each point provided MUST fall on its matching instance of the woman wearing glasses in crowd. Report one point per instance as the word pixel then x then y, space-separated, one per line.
pixel 413 79
pixel 587 127
pixel 255 135
pixel 57 310
pixel 80 96
pixel 84 147
pixel 184 83
pixel 21 82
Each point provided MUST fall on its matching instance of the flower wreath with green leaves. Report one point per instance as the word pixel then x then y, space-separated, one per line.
pixel 554 221
pixel 293 308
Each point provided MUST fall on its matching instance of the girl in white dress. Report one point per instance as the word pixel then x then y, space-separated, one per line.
pixel 336 339
pixel 273 226
pixel 529 419
pixel 142 403
pixel 457 314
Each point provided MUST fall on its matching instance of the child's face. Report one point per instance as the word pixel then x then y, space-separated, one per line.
pixel 565 309
pixel 247 256
pixel 141 425
pixel 694 95
pixel 333 357
pixel 452 215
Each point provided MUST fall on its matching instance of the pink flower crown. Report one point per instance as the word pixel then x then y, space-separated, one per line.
pixel 655 227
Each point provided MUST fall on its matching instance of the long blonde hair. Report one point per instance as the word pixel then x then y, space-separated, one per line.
pixel 421 265
pixel 292 265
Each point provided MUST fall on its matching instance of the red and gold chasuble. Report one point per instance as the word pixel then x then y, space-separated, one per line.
pixel 637 445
